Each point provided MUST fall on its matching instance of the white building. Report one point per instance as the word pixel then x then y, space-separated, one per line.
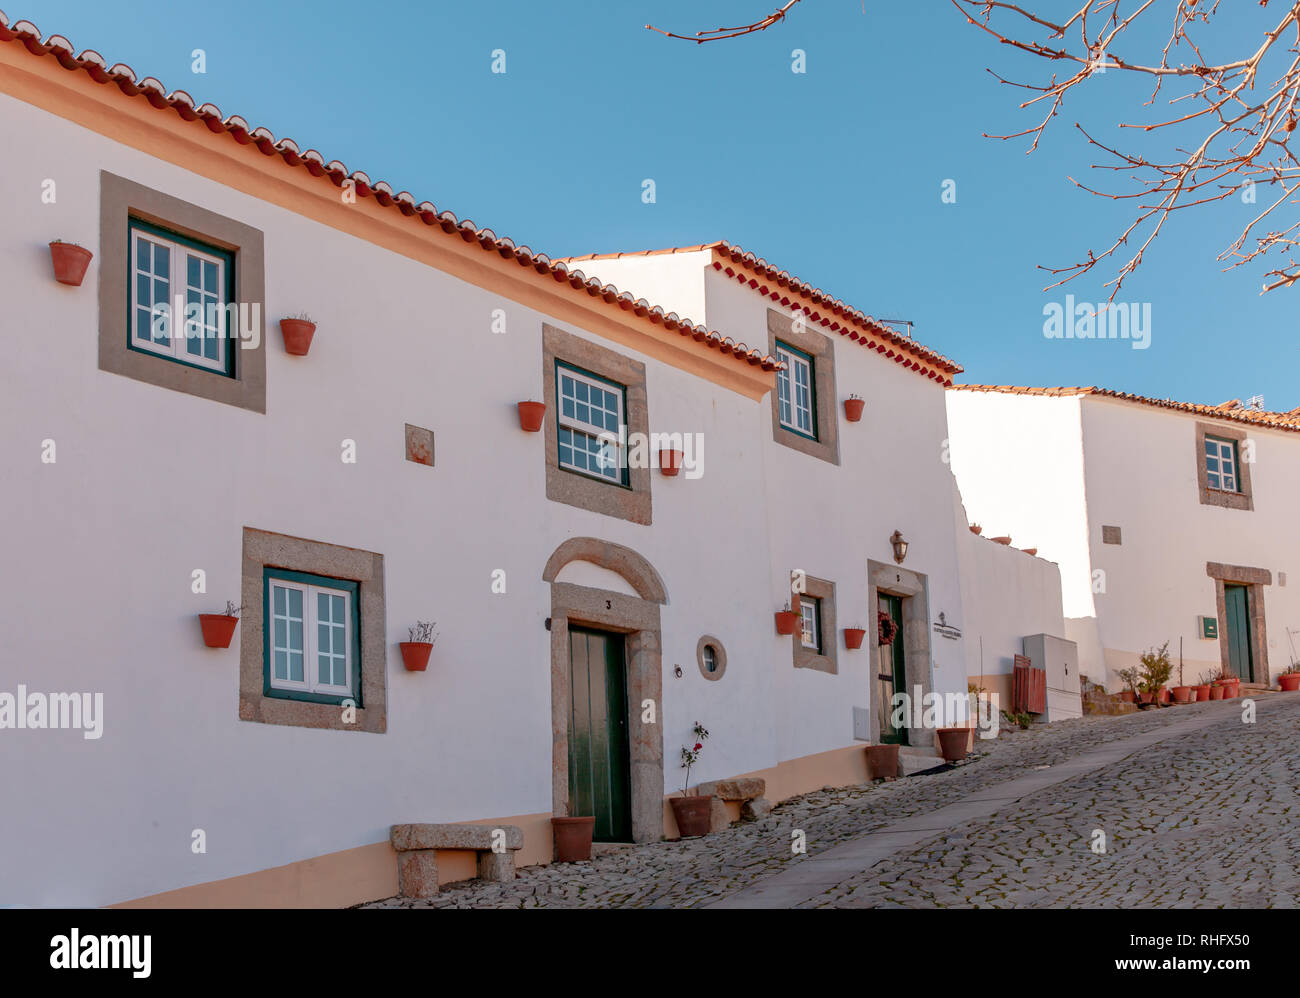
pixel 1170 521
pixel 383 479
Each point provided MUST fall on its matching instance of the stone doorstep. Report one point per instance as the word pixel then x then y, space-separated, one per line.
pixel 742 789
pixel 417 848
pixel 918 760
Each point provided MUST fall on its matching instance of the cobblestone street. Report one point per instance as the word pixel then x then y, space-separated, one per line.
pixel 1206 817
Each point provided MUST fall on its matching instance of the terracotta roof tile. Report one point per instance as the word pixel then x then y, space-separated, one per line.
pixel 1232 409
pixel 123 77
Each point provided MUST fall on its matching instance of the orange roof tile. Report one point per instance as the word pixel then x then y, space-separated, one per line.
pixel 26 34
pixel 839 318
pixel 1232 409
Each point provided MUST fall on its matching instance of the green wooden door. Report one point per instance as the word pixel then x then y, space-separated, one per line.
pixel 1238 613
pixel 890 672
pixel 599 772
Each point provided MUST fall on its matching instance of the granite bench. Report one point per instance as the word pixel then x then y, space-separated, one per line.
pixel 735 799
pixel 417 853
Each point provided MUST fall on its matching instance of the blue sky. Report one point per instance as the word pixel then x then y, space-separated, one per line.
pixel 835 174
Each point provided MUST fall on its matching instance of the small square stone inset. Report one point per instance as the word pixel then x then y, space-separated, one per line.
pixel 419 445
pixel 1111 535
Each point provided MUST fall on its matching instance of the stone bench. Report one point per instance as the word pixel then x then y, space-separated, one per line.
pixel 417 853
pixel 747 792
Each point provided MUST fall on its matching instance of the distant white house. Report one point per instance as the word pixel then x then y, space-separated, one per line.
pixel 1170 521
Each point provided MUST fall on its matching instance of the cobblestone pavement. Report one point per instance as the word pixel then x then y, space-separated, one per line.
pixel 1201 819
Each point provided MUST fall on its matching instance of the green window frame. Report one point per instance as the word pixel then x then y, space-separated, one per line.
pixel 1222 464
pixel 353 645
pixel 799 364
pixel 572 430
pixel 221 293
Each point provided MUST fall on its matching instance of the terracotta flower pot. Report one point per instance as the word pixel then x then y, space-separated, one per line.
pixel 218 629
pixel 573 839
pixel 1128 696
pixel 670 462
pixel 1145 698
pixel 1182 694
pixel 853 636
pixel 953 743
pixel 1216 692
pixel 692 814
pixel 297 335
pixel 1202 692
pixel 415 655
pixel 1162 695
pixel 785 621
pixel 853 409
pixel 70 262
pixel 1002 540
pixel 882 762
pixel 1289 681
pixel 531 415
pixel 975 528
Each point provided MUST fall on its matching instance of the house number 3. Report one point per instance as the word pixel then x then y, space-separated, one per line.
pixel 608 605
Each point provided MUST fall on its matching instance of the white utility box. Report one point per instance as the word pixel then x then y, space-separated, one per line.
pixel 1061 660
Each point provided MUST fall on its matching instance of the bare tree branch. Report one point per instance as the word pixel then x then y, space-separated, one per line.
pixel 1239 137
pixel 720 34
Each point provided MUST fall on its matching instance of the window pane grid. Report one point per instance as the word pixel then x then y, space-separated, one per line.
pixel 1221 464
pixel 310 624
pixel 590 420
pixel 795 391
pixel 809 615
pixel 158 267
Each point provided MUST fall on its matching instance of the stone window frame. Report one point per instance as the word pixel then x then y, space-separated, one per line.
pixel 1243 499
pixel 264 549
pixel 120 200
pixel 826 659
pixel 1254 579
pixel 719 657
pixel 822 351
pixel 632 501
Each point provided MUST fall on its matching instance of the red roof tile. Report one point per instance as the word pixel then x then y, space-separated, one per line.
pixel 124 78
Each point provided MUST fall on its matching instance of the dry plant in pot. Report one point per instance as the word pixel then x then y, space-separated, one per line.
pixel 415 652
pixel 219 628
pixel 692 812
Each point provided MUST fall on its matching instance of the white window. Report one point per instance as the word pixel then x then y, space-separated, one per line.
pixel 1221 464
pixel 811 619
pixel 591 418
pixel 310 638
pixel 165 274
pixel 794 390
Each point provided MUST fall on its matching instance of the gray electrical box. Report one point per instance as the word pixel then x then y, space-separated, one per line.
pixel 1061 660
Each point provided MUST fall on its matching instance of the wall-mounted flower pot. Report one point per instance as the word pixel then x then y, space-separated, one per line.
pixel 975 528
pixel 692 814
pixel 1001 540
pixel 573 839
pixel 882 762
pixel 218 629
pixel 785 621
pixel 1289 681
pixel 1030 551
pixel 1216 691
pixel 70 262
pixel 415 655
pixel 531 415
pixel 953 743
pixel 1182 694
pixel 1202 692
pixel 853 636
pixel 1128 696
pixel 297 335
pixel 853 409
pixel 670 462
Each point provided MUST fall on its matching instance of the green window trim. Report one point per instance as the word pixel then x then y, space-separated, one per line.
pixel 270 574
pixel 811 361
pixel 625 478
pixel 135 225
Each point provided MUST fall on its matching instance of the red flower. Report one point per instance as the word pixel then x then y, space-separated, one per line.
pixel 698 746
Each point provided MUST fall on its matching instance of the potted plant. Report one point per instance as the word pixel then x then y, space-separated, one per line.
pixel 219 628
pixel 670 462
pixel 1203 687
pixel 1289 680
pixel 1130 679
pixel 573 839
pixel 1155 668
pixel 531 415
pixel 297 332
pixel 1182 693
pixel 853 636
pixel 415 652
pixel 975 528
pixel 953 743
pixel 786 619
pixel 692 813
pixel 886 629
pixel 853 406
pixel 1229 683
pixel 1004 540
pixel 70 263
